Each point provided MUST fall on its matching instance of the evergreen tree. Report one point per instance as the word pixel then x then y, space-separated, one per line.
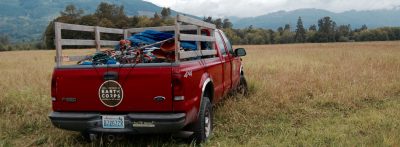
pixel 72 12
pixel 280 30
pixel 165 13
pixel 111 12
pixel 312 28
pixel 208 19
pixel 169 11
pixel 156 16
pixel 250 28
pixel 300 32
pixel 156 21
pixel 326 30
pixel 364 27
pixel 343 33
pixel 287 27
pixel 227 24
pixel 218 23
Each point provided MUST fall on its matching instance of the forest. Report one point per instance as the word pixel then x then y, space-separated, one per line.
pixel 114 16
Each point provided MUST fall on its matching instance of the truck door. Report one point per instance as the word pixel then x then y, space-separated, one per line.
pixel 226 62
pixel 233 60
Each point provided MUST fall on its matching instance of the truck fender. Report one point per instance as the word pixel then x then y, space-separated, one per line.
pixel 205 80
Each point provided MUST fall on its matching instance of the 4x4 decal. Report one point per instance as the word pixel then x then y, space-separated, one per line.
pixel 188 74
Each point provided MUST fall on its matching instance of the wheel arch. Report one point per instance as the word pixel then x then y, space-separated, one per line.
pixel 207 89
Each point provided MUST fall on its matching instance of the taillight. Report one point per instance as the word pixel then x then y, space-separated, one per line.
pixel 177 87
pixel 53 88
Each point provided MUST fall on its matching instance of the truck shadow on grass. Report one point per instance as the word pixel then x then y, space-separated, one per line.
pixel 148 139
pixel 155 139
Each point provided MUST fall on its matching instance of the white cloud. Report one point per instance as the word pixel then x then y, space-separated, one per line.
pixel 246 8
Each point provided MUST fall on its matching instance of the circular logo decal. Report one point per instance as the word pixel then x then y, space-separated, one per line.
pixel 111 93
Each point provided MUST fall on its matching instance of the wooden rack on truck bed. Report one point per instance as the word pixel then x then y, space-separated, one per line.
pixel 182 23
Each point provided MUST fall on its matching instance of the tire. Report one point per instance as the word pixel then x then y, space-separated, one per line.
pixel 204 125
pixel 242 87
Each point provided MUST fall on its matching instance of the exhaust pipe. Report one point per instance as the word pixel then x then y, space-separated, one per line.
pixel 110 138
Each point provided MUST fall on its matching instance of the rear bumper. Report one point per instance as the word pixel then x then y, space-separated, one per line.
pixel 135 123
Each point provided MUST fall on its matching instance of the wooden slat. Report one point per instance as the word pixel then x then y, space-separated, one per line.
pixel 189 54
pixel 108 43
pixel 162 29
pixel 74 27
pixel 88 42
pixel 212 33
pixel 79 58
pixel 198 43
pixel 188 27
pixel 126 34
pixel 77 42
pixel 97 38
pixel 208 52
pixel 111 30
pixel 184 55
pixel 73 58
pixel 57 41
pixel 189 20
pixel 189 37
pixel 177 42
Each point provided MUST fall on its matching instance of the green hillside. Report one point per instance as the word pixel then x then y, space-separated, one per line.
pixel 26 20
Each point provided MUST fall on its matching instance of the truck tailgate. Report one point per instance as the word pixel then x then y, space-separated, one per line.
pixel 144 88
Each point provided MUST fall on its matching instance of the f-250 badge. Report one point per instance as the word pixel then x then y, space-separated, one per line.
pixel 111 93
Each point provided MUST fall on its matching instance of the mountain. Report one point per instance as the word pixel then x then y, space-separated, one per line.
pixel 27 19
pixel 372 18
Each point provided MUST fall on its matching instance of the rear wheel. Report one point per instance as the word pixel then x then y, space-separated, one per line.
pixel 204 124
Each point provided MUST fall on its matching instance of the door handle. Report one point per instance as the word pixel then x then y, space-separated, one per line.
pixel 110 76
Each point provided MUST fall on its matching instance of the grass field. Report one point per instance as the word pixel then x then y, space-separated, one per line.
pixel 340 94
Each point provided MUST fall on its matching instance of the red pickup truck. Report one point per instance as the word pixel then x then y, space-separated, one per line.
pixel 141 98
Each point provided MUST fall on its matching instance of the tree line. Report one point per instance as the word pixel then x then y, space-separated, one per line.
pixel 326 31
pixel 7 45
pixel 113 16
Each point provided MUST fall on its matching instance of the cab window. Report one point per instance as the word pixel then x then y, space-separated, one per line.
pixel 220 43
pixel 228 44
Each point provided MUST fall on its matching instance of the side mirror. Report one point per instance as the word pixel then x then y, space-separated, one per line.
pixel 240 52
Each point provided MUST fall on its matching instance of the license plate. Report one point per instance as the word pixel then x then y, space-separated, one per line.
pixel 113 122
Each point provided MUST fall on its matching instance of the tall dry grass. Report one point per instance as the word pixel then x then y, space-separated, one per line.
pixel 340 94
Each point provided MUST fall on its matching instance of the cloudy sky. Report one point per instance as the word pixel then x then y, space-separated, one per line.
pixel 245 8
